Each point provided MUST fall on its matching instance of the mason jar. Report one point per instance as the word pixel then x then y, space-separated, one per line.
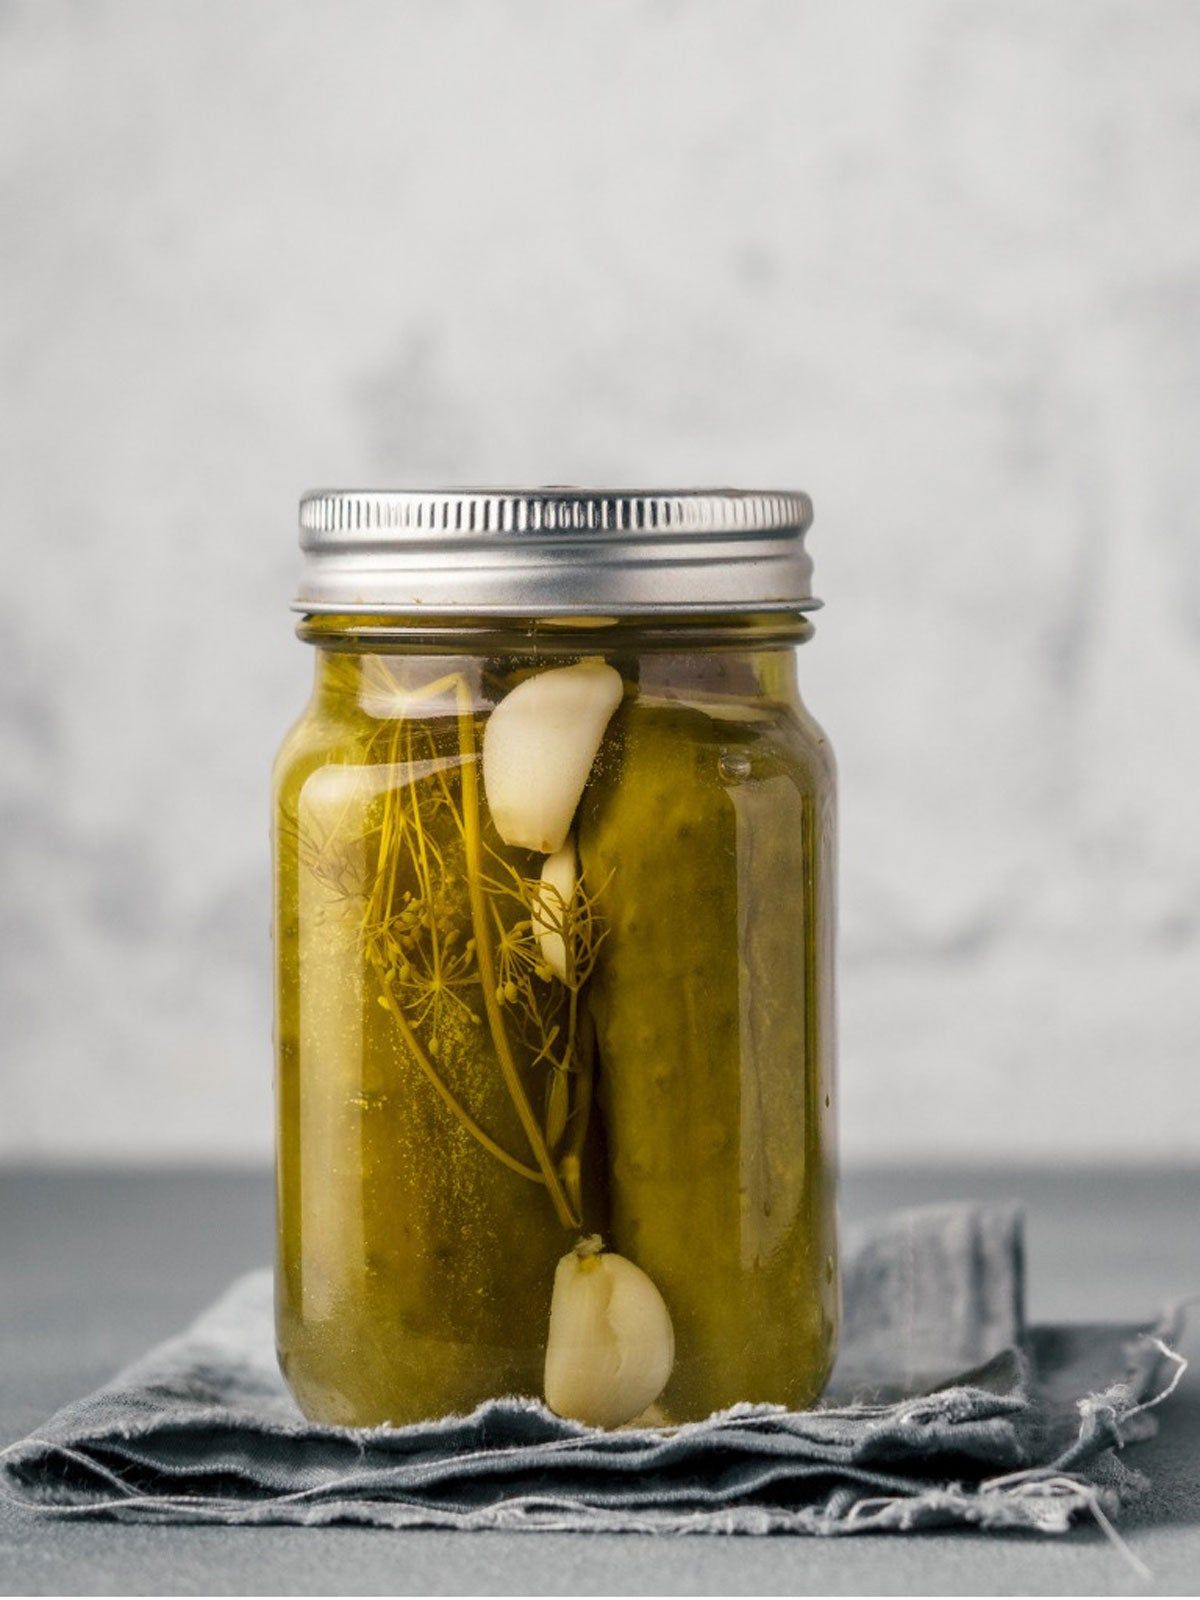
pixel 554 933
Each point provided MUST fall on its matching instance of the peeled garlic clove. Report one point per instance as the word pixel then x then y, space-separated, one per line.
pixel 611 1345
pixel 551 905
pixel 538 748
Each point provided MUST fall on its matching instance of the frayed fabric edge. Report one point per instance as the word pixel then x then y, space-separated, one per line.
pixel 1046 1499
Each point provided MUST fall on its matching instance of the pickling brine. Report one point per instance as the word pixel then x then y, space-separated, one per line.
pixel 554 932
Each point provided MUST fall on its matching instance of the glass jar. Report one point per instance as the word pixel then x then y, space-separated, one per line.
pixel 554 936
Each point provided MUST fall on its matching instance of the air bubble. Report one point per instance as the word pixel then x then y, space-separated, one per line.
pixel 734 765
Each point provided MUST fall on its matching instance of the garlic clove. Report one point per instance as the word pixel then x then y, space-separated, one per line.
pixel 552 905
pixel 538 748
pixel 611 1345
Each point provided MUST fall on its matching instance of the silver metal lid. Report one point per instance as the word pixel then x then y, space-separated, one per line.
pixel 554 551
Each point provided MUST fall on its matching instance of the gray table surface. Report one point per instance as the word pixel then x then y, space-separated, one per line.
pixel 96 1266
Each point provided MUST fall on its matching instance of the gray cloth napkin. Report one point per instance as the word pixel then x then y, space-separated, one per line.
pixel 944 1409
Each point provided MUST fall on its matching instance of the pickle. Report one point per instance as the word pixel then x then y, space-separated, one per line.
pixel 416 1266
pixel 708 841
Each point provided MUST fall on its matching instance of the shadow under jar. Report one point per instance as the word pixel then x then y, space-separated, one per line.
pixel 554 932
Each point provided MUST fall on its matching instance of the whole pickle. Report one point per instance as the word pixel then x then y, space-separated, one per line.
pixel 416 1268
pixel 707 840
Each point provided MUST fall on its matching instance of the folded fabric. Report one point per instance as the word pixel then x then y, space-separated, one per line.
pixel 944 1409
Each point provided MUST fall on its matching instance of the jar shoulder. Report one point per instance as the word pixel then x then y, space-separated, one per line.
pixel 810 738
pixel 320 736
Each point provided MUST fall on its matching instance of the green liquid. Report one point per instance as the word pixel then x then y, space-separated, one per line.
pixel 415 1265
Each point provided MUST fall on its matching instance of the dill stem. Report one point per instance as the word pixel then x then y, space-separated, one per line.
pixel 571 1164
pixel 430 1072
pixel 388 849
pixel 472 838
pixel 422 865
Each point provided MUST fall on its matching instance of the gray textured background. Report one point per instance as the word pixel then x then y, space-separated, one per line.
pixel 938 263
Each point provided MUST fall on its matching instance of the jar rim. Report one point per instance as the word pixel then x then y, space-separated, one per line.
pixel 554 551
